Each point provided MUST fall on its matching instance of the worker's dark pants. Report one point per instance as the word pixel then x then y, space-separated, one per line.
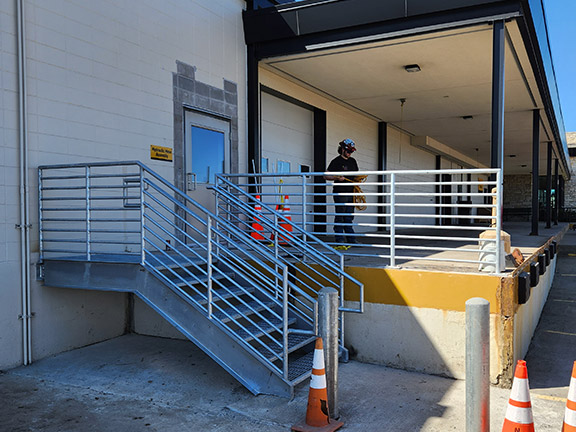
pixel 344 218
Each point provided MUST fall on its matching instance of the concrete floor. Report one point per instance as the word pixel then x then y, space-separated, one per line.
pixel 519 235
pixel 140 383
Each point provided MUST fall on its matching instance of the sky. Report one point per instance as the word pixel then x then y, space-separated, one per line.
pixel 561 19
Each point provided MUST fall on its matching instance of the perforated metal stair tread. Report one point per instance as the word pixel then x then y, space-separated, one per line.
pixel 241 310
pixel 301 367
pixel 274 351
pixel 262 327
pixel 223 294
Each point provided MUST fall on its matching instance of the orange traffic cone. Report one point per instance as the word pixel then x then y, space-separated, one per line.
pixel 285 209
pixel 519 412
pixel 570 413
pixel 257 229
pixel 317 416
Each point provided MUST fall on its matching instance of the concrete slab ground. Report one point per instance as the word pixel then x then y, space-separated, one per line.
pixel 140 383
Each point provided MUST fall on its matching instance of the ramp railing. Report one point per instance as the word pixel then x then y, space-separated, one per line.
pixel 401 218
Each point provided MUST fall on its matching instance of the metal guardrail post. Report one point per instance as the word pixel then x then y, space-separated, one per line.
pixel 88 237
pixel 328 330
pixel 392 220
pixel 209 262
pixel 497 267
pixel 40 223
pixel 285 320
pixel 142 244
pixel 477 365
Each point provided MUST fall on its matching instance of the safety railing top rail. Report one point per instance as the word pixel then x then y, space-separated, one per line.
pixel 419 218
pixel 136 215
pixel 297 245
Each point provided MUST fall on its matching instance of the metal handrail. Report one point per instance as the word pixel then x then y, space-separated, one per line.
pixel 400 206
pixel 181 242
pixel 313 249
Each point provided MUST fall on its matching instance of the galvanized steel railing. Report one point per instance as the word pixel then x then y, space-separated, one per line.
pixel 125 212
pixel 409 217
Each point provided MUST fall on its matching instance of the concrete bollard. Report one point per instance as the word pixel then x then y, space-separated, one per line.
pixel 328 329
pixel 477 365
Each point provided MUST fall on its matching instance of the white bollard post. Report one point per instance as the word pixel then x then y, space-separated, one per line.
pixel 477 365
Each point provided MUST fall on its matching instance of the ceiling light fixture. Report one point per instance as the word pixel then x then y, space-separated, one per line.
pixel 412 68
pixel 467 117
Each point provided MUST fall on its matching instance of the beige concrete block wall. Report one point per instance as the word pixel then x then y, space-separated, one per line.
pixel 99 89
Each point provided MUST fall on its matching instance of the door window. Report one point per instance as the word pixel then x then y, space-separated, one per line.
pixel 208 157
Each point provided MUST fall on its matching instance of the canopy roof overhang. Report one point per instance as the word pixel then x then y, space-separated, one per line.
pixel 355 52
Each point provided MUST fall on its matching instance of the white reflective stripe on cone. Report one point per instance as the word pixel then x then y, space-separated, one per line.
pixel 570 417
pixel 318 382
pixel 519 415
pixel 318 359
pixel 520 391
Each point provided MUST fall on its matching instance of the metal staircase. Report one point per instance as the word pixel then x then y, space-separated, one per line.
pixel 251 307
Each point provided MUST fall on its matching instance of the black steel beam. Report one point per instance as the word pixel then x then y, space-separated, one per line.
pixel 253 114
pixel 320 138
pixel 549 185
pixel 497 137
pixel 556 194
pixel 535 168
pixel 382 165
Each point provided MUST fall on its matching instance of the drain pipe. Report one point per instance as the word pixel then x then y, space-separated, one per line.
pixel 24 225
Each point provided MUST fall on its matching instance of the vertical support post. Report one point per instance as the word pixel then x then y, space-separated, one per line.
pixel 556 191
pixel 549 185
pixel 535 169
pixel 392 220
pixel 320 218
pixel 499 205
pixel 88 237
pixel 209 263
pixel 285 320
pixel 40 209
pixel 477 365
pixel 253 114
pixel 497 138
pixel 328 327
pixel 437 189
pixel 382 165
pixel 142 222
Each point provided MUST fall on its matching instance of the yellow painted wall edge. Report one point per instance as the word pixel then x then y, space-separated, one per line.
pixel 424 289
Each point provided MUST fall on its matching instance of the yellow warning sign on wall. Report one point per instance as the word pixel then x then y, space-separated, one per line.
pixel 161 153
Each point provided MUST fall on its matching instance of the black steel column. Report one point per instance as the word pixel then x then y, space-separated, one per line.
pixel 561 198
pixel 253 98
pixel 556 194
pixel 382 164
pixel 320 138
pixel 535 168
pixel 497 138
pixel 549 186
